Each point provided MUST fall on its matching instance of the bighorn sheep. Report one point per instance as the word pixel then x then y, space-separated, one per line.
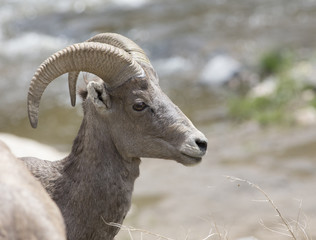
pixel 26 210
pixel 126 117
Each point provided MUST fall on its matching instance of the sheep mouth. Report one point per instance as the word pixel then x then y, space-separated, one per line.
pixel 191 160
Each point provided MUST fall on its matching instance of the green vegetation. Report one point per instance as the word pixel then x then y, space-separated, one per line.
pixel 268 109
pixel 277 106
pixel 274 62
pixel 259 109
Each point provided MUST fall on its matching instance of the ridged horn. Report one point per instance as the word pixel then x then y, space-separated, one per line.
pixel 115 40
pixel 113 65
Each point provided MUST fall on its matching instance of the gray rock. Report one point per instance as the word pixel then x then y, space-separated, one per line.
pixel 219 70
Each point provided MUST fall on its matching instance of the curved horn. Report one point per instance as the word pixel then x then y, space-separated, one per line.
pixel 122 42
pixel 115 40
pixel 113 65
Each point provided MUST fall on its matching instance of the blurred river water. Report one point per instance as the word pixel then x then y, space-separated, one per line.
pixel 179 36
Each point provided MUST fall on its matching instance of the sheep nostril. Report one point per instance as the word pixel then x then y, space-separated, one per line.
pixel 201 144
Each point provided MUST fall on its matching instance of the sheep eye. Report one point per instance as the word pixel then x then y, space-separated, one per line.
pixel 139 106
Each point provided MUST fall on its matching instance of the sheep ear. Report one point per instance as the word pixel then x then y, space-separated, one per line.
pixel 98 95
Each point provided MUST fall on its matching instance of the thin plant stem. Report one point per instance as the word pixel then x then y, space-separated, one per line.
pixel 132 229
pixel 269 200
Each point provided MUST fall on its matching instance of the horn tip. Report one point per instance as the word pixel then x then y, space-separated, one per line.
pixel 33 117
pixel 73 100
pixel 33 122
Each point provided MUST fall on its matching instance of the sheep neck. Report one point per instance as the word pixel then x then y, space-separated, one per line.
pixel 95 186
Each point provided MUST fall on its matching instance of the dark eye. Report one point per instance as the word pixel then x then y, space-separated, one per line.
pixel 139 106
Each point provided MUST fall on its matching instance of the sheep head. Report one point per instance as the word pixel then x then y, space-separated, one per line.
pixel 126 101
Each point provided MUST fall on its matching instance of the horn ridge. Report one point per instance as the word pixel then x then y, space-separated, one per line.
pixel 113 65
pixel 115 40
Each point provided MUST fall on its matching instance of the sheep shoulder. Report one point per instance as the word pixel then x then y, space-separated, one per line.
pixel 27 212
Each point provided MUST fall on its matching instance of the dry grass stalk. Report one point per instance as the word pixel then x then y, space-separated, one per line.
pixel 132 229
pixel 129 229
pixel 219 234
pixel 288 229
